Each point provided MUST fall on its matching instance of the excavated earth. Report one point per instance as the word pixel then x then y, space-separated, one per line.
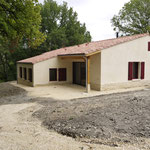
pixel 108 119
pixel 115 121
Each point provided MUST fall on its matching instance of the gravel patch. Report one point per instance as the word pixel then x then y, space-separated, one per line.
pixel 109 119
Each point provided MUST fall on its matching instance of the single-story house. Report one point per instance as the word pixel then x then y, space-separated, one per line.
pixel 95 65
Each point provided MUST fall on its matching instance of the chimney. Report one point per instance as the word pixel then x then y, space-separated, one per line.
pixel 117 34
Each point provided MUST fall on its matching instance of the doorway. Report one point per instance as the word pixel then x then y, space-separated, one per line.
pixel 79 73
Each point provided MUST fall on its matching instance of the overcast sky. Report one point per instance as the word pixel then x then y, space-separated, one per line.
pixel 97 15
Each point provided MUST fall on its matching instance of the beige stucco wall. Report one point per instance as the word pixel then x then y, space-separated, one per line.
pixel 41 70
pixel 22 80
pixel 95 71
pixel 114 61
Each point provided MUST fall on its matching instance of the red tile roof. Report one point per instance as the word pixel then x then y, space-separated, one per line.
pixel 85 49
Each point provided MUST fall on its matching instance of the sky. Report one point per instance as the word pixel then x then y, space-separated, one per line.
pixel 97 15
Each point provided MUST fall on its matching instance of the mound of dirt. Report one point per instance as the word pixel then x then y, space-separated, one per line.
pixel 7 89
pixel 122 118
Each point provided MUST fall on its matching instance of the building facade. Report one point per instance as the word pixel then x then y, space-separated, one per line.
pixel 96 65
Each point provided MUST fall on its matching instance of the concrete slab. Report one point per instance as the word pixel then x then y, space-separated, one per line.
pixel 72 91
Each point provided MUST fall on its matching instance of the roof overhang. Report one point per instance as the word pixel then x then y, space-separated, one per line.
pixel 25 63
pixel 77 55
pixel 80 54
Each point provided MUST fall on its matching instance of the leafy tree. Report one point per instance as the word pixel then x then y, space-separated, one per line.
pixel 133 18
pixel 20 37
pixel 61 26
pixel 18 19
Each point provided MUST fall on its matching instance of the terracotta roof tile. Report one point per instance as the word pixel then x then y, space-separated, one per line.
pixel 86 48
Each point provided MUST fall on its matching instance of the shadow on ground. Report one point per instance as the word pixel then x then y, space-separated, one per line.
pixel 10 94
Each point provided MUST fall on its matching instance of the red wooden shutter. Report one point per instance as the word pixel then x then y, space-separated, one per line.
pixel 142 70
pixel 62 74
pixel 148 46
pixel 130 71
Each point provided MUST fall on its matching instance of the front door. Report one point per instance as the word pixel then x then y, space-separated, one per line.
pixel 79 73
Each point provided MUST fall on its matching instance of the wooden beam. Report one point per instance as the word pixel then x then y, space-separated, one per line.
pixel 88 70
pixel 72 57
pixel 93 53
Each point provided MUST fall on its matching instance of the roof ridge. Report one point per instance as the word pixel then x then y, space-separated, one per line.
pixel 144 34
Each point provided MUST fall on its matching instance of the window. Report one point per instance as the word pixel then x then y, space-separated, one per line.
pixel 30 74
pixel 148 46
pixel 62 74
pixel 20 72
pixel 53 74
pixel 135 73
pixel 25 73
pixel 136 70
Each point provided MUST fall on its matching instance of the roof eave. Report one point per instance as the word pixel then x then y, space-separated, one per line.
pixel 78 54
pixel 25 63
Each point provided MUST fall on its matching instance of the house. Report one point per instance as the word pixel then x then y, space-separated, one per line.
pixel 96 65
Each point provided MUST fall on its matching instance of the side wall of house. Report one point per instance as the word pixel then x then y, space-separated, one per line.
pixel 95 72
pixel 22 80
pixel 114 61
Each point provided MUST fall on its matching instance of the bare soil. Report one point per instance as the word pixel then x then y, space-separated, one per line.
pixel 106 122
pixel 109 119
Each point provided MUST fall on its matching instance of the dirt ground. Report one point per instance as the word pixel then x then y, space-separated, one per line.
pixel 106 122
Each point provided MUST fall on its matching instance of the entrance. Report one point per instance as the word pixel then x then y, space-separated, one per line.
pixel 79 73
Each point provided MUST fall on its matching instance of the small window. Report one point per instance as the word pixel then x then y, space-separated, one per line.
pixel 53 74
pixel 30 74
pixel 148 46
pixel 25 73
pixel 62 74
pixel 136 70
pixel 20 72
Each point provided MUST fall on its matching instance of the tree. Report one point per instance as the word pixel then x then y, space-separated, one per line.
pixel 133 18
pixel 20 19
pixel 23 27
pixel 61 26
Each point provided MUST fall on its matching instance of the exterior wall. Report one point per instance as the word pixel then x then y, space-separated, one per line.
pixel 114 61
pixel 95 72
pixel 41 70
pixel 22 80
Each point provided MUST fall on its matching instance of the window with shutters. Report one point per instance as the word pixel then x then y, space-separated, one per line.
pixel 62 74
pixel 148 46
pixel 53 74
pixel 136 70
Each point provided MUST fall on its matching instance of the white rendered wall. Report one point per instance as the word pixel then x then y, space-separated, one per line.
pixel 114 60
